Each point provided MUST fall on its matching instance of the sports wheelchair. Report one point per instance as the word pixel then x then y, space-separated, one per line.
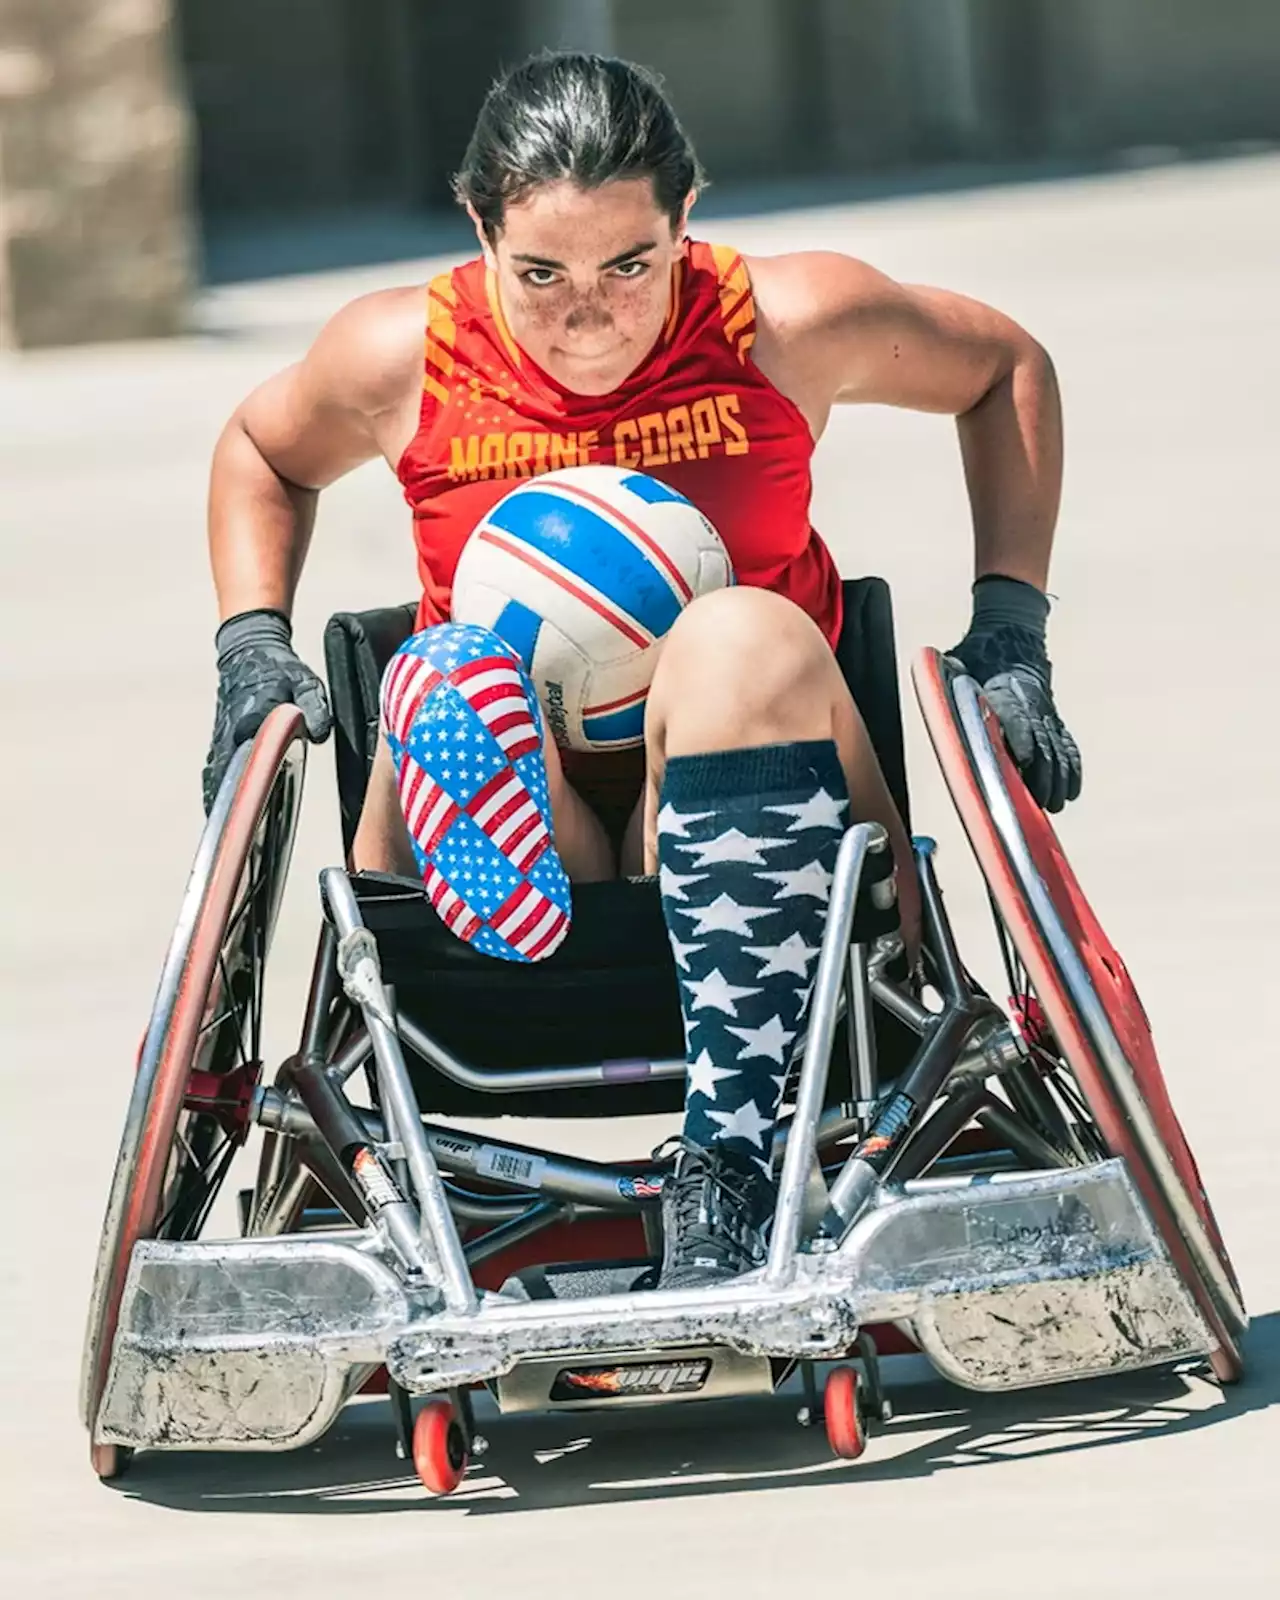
pixel 1004 1188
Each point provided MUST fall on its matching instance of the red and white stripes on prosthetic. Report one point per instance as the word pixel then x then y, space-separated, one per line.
pixel 462 721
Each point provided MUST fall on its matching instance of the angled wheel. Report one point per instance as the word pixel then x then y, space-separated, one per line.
pixel 843 1413
pixel 1080 1014
pixel 200 1057
pixel 440 1452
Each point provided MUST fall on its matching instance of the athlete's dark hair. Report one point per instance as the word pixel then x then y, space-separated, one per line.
pixel 587 118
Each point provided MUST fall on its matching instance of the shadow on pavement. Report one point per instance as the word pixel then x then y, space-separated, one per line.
pixel 589 1458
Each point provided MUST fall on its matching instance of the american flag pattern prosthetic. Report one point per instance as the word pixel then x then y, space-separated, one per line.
pixel 465 731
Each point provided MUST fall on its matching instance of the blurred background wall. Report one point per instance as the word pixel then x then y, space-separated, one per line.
pixel 128 127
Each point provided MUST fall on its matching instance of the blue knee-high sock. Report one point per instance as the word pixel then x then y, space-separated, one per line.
pixel 747 843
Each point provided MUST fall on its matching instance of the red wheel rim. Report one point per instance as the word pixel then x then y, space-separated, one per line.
pixel 1106 973
pixel 439 1447
pixel 280 735
pixel 842 1411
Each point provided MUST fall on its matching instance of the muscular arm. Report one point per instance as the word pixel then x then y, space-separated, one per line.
pixel 835 331
pixel 340 406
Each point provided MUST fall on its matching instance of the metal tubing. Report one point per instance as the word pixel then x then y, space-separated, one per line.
pixel 1033 1102
pixel 934 1062
pixel 332 1115
pixel 590 1183
pixel 861 1032
pixel 491 1208
pixel 324 985
pixel 798 1156
pixel 282 1206
pixel 917 1017
pixel 332 1177
pixel 352 1058
pixel 514 1080
pixel 942 945
pixel 935 1136
pixel 916 1090
pixel 532 1220
pixel 1025 1140
pixel 365 979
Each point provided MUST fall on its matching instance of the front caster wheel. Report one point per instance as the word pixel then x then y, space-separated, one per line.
pixel 440 1451
pixel 109 1460
pixel 843 1411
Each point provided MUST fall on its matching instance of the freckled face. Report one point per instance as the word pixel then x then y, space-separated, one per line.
pixel 584 278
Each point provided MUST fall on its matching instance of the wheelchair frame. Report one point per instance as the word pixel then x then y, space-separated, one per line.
pixel 1072 1240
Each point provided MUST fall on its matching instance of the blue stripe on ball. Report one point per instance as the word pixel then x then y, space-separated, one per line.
pixel 587 547
pixel 652 489
pixel 625 724
pixel 519 627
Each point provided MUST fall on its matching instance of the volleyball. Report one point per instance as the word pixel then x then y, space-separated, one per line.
pixel 583 571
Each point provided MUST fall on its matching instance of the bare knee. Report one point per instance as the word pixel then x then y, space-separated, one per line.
pixel 742 666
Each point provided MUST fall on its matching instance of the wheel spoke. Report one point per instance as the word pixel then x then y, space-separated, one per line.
pixel 235 1011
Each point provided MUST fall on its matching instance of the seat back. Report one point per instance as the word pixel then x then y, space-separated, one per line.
pixel 358 645
pixel 609 993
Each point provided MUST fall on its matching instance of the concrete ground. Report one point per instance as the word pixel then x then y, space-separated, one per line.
pixel 1156 293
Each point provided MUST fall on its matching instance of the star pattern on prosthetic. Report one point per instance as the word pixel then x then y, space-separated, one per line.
pixel 725 915
pixel 675 884
pixel 733 845
pixel 811 879
pixel 673 822
pixel 792 955
pixel 771 1040
pixel 704 1075
pixel 682 952
pixel 744 1123
pixel 716 992
pixel 820 810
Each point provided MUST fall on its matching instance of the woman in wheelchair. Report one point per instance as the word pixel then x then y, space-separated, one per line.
pixel 592 328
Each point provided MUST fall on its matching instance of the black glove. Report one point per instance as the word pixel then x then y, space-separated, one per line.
pixel 1004 650
pixel 257 671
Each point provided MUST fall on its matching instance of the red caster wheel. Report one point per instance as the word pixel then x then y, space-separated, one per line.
pixel 842 1410
pixel 440 1451
pixel 109 1460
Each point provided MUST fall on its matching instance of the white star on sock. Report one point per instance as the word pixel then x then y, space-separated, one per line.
pixel 717 991
pixel 771 1040
pixel 733 845
pixel 779 1084
pixel 744 1123
pixel 670 821
pixel 792 955
pixel 820 810
pixel 704 1075
pixel 683 951
pixel 811 879
pixel 725 915
pixel 672 884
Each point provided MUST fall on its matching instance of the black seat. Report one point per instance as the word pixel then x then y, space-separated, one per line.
pixel 609 992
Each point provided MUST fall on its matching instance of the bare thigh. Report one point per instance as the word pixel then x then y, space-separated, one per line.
pixel 382 842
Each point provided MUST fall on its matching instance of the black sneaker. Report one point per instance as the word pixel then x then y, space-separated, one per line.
pixel 714 1207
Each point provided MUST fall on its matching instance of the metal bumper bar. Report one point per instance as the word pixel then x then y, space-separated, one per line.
pixel 256 1344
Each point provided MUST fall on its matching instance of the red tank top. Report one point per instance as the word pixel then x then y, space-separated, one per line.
pixel 697 413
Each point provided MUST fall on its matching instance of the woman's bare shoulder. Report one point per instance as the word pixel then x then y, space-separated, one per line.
pixel 369 353
pixel 800 295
